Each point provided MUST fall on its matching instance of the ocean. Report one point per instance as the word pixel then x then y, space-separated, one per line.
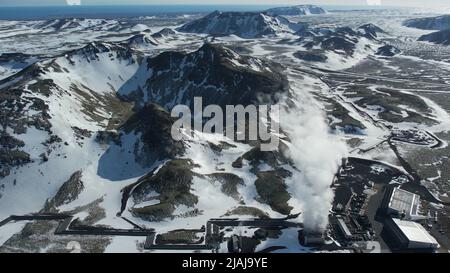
pixel 108 12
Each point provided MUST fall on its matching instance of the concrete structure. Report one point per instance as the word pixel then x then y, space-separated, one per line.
pixel 234 244
pixel 402 204
pixel 344 229
pixel 408 235
pixel 312 239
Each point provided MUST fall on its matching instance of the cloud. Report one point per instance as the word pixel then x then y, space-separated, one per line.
pixel 374 2
pixel 73 2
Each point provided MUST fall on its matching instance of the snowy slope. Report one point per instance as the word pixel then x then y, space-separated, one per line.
pixel 73 130
pixel 14 62
pixel 242 24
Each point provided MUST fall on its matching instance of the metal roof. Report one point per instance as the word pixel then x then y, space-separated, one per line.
pixel 402 200
pixel 415 232
pixel 344 227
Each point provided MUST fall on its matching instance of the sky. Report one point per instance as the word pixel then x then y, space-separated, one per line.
pixel 406 3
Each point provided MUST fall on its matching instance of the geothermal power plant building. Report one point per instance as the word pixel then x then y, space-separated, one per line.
pixel 401 208
pixel 402 204
pixel 410 235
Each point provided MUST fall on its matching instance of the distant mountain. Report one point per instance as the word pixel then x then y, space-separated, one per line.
pixel 164 33
pixel 441 37
pixel 60 24
pixel 341 40
pixel 296 10
pixel 82 24
pixel 74 24
pixel 142 40
pixel 242 24
pixel 430 23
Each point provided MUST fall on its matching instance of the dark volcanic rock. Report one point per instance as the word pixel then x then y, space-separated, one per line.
pixel 339 44
pixel 13 115
pixel 141 40
pixel 242 24
pixel 430 23
pixel 90 51
pixel 273 191
pixel 155 124
pixel 173 184
pixel 243 210
pixel 217 74
pixel 370 30
pixel 70 190
pixel 171 181
pixel 305 33
pixel 60 24
pixel 341 40
pixel 311 56
pixel 255 156
pixel 341 31
pixel 10 158
pixel 81 24
pixel 441 37
pixel 388 51
pixel 229 183
pixel 14 57
pixel 164 33
pixel 9 142
pixel 106 137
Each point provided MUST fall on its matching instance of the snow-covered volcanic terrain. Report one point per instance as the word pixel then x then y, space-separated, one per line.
pixel 242 24
pixel 441 37
pixel 296 10
pixel 430 23
pixel 86 126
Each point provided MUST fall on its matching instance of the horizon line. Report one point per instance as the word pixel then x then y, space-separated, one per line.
pixel 193 4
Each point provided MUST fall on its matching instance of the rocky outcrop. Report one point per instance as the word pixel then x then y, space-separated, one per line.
pixel 441 37
pixel 172 183
pixel 371 31
pixel 229 182
pixel 70 190
pixel 388 51
pixel 273 191
pixel 153 123
pixel 142 40
pixel 217 74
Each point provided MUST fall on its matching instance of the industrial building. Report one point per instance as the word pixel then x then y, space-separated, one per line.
pixel 401 209
pixel 408 235
pixel 402 204
pixel 344 229
pixel 311 239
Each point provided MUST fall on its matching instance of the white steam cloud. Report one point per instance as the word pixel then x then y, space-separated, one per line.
pixel 315 152
pixel 73 2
